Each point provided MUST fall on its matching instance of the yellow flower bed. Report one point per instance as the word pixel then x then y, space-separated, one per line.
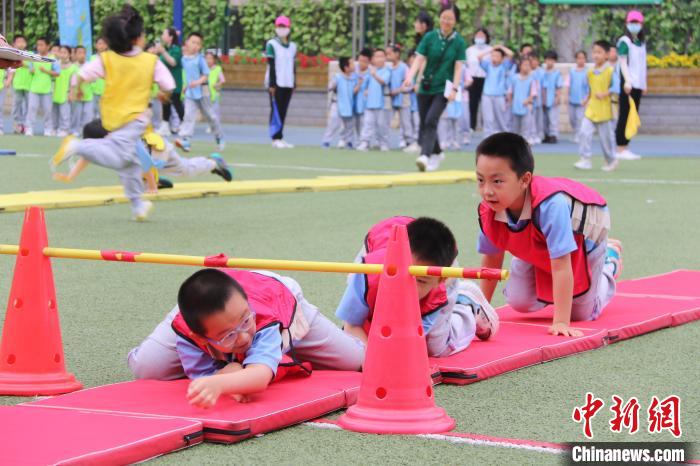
pixel 673 60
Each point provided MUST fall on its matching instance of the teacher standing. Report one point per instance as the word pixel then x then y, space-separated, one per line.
pixel 632 53
pixel 442 51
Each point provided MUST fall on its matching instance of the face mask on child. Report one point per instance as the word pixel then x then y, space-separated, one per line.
pixel 282 32
pixel 479 41
pixel 634 28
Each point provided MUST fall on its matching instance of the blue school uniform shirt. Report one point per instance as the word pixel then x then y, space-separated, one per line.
pixel 344 88
pixel 361 99
pixel 266 349
pixel 554 219
pixel 615 85
pixel 194 67
pixel 538 74
pixel 375 91
pixel 551 81
pixel 521 89
pixel 353 307
pixel 398 75
pixel 496 83
pixel 578 85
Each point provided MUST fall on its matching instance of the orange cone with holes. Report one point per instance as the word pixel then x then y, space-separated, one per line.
pixel 396 394
pixel 31 350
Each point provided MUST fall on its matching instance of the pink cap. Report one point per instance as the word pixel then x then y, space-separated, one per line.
pixel 635 15
pixel 283 21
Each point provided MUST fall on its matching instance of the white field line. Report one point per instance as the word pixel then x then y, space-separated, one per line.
pixel 455 439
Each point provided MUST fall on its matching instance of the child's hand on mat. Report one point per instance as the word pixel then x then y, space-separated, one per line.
pixel 560 328
pixel 241 398
pixel 204 392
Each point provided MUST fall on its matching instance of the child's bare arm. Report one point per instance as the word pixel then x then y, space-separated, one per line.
pixel 151 182
pixel 494 261
pixel 563 285
pixel 205 391
pixel 79 166
pixel 355 330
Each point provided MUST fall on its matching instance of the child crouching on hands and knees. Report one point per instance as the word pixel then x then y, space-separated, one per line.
pixel 235 331
pixel 555 228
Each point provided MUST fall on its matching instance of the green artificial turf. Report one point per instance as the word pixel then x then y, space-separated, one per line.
pixel 106 309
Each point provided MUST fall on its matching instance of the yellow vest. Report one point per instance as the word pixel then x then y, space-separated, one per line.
pixel 599 110
pixel 128 82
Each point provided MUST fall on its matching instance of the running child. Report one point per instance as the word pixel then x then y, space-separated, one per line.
pixel 233 332
pixel 129 74
pixel 452 310
pixel 556 230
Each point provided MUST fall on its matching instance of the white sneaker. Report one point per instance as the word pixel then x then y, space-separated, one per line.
pixel 363 147
pixel 610 166
pixel 28 132
pixel 423 162
pixel 50 132
pixel 412 148
pixel 286 145
pixel 384 148
pixel 62 134
pixel 402 145
pixel 207 130
pixel 583 164
pixel 456 146
pixel 485 315
pixel 277 144
pixel 627 155
pixel 435 161
pixel 142 214
pixel 341 144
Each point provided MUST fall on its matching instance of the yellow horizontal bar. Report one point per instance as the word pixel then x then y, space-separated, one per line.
pixel 242 263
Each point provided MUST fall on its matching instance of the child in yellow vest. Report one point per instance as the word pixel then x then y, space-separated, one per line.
pixel 216 80
pixel 129 74
pixel 61 111
pixel 598 115
pixel 40 90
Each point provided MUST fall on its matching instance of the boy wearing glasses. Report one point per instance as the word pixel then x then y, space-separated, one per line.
pixel 234 331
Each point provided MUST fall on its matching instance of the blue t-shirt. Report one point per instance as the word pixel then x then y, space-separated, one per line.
pixel 578 85
pixel 554 219
pixel 496 83
pixel 538 74
pixel 398 75
pixel 345 87
pixel 353 307
pixel 361 99
pixel 375 91
pixel 521 89
pixel 266 349
pixel 414 101
pixel 551 81
pixel 194 67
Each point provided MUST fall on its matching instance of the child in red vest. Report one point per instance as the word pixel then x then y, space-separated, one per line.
pixel 555 228
pixel 453 311
pixel 235 331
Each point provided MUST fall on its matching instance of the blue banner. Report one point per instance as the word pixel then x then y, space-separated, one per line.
pixel 74 26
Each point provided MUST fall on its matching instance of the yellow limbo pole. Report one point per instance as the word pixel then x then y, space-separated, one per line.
pixel 243 263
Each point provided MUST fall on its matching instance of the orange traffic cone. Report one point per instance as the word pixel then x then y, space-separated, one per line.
pixel 396 394
pixel 31 351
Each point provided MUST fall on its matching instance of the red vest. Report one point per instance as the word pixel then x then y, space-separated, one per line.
pixel 272 303
pixel 378 236
pixel 530 245
pixel 435 300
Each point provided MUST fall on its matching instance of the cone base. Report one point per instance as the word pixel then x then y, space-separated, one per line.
pixel 431 420
pixel 23 384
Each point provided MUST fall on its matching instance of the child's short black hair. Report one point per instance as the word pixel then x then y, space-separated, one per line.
pixel 122 29
pixel 603 44
pixel 79 47
pixel 525 45
pixel 499 50
pixel 67 47
pixel 343 63
pixel 581 52
pixel 94 130
pixel 43 39
pixel 19 36
pixel 509 146
pixel 366 52
pixel 432 241
pixel 196 34
pixel 205 293
pixel 551 54
pixel 377 50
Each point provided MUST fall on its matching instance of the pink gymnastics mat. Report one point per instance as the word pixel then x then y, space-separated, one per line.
pixel 640 306
pixel 41 436
pixel 290 401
